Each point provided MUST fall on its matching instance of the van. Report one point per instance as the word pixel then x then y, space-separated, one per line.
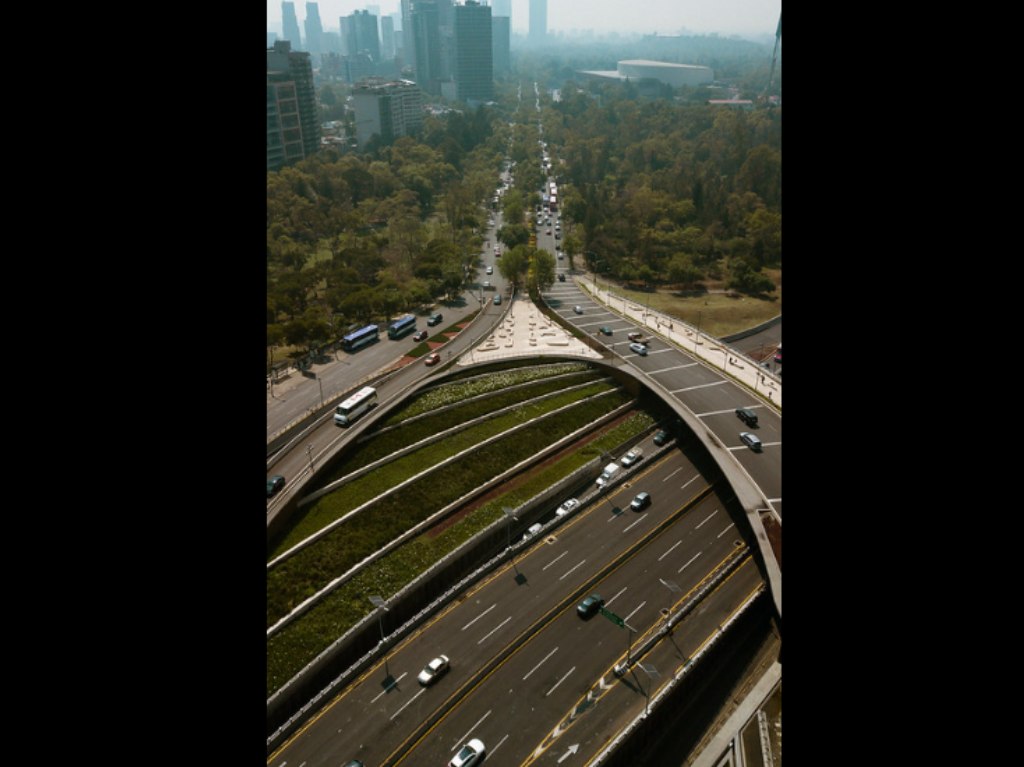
pixel 435 319
pixel 608 474
pixel 751 441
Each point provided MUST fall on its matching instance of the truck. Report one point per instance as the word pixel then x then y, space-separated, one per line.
pixel 608 474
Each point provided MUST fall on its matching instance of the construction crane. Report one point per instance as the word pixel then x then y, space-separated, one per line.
pixel 775 55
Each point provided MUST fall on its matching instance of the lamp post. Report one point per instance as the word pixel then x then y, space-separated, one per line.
pixel 381 605
pixel 651 672
pixel 309 454
pixel 321 390
pixel 697 340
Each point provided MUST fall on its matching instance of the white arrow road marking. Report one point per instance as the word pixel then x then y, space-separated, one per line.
pixel 572 750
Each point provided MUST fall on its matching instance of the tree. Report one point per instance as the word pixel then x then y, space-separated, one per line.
pixel 746 279
pixel 513 235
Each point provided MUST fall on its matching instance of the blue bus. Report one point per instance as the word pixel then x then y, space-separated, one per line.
pixel 402 326
pixel 360 338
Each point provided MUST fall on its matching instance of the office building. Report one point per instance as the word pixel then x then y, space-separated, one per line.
pixel 387 38
pixel 363 35
pixel 293 125
pixel 474 68
pixel 426 36
pixel 290 26
pixel 501 37
pixel 538 20
pixel 314 29
pixel 501 8
pixel 387 109
pixel 408 49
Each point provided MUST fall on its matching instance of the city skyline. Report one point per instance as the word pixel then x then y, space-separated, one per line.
pixel 745 18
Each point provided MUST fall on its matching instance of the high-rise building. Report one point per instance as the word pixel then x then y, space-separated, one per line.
pixel 387 38
pixel 474 63
pixel 426 37
pixel 345 26
pixel 501 36
pixel 290 25
pixel 501 8
pixel 363 35
pixel 314 29
pixel 388 109
pixel 293 127
pixel 408 49
pixel 538 20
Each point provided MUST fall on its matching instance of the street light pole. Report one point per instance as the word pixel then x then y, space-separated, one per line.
pixel 321 390
pixel 381 605
pixel 309 454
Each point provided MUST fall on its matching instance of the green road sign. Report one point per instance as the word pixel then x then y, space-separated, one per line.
pixel 613 618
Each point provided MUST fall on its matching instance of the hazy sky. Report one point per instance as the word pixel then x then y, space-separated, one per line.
pixel 748 18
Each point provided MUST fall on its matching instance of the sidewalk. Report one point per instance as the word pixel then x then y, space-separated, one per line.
pixel 736 365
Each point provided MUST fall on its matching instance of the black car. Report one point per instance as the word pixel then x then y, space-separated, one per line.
pixel 748 416
pixel 589 606
pixel 662 437
pixel 561 278
pixel 274 484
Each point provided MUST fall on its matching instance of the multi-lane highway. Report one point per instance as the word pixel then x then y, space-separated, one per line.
pixel 521 657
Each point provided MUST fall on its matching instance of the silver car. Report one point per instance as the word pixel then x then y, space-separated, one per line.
pixel 751 441
pixel 566 507
pixel 433 670
pixel 638 348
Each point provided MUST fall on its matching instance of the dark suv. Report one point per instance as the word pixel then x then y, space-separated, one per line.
pixel 748 416
pixel 590 605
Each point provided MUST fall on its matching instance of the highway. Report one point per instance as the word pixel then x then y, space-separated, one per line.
pixel 712 396
pixel 529 607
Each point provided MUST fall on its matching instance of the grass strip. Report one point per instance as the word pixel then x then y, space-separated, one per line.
pixel 291 649
pixel 300 576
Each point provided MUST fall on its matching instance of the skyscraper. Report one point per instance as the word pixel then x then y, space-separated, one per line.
pixel 290 25
pixel 501 8
pixel 408 49
pixel 474 67
pixel 387 38
pixel 293 130
pixel 363 35
pixel 426 38
pixel 501 35
pixel 538 20
pixel 314 29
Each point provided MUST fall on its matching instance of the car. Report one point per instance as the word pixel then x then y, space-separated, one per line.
pixel 352 763
pixel 566 507
pixel 751 440
pixel 497 300
pixel 432 359
pixel 590 605
pixel 662 437
pixel 490 270
pixel 435 319
pixel 548 232
pixel 605 330
pixel 642 501
pixel 558 235
pixel 635 335
pixel 748 416
pixel 532 531
pixel 561 278
pixel 560 256
pixel 578 309
pixel 433 670
pixel 274 484
pixel 638 348
pixel 632 457
pixel 469 755
pixel 487 284
pixel 420 336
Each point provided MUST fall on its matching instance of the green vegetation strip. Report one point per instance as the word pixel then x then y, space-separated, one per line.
pixel 357 492
pixel 300 576
pixel 298 643
pixel 451 393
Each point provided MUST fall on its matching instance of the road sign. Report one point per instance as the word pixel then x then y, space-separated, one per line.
pixel 613 618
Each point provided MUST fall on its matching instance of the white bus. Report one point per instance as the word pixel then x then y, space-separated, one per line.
pixel 355 406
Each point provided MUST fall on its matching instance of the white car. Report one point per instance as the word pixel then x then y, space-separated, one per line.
pixel 469 755
pixel 433 670
pixel 632 457
pixel 638 348
pixel 566 507
pixel 534 529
